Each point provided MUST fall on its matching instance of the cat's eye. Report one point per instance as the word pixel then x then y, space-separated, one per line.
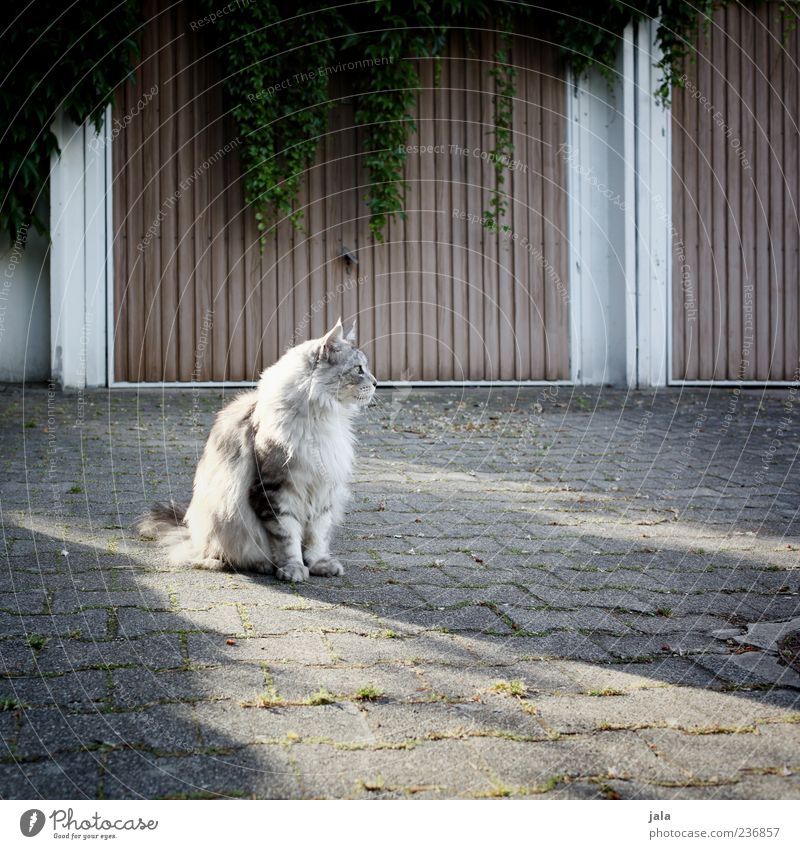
pixel 360 369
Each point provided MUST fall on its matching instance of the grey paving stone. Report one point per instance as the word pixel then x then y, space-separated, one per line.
pixel 224 620
pixel 492 715
pixel 153 651
pixel 70 776
pixel 90 624
pixel 68 690
pixel 137 687
pixel 226 724
pixel 727 756
pixel 447 764
pixel 255 772
pixel 395 681
pixel 604 755
pixel 271 620
pixel 306 647
pixel 49 731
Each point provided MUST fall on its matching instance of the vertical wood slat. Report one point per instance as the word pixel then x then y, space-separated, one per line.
pixel 537 221
pixel 761 61
pixel 488 182
pixel 475 232
pixel 705 290
pixel 518 205
pixel 186 269
pixel 168 295
pixel 738 127
pixel 791 218
pixel 120 229
pixel 691 293
pixel 150 351
pixel 427 218
pixel 719 205
pixel 733 191
pixel 196 146
pixel 447 300
pixel 777 117
pixel 456 135
pixel 443 207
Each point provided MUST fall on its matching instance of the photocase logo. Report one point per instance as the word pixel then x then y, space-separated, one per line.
pixel 31 822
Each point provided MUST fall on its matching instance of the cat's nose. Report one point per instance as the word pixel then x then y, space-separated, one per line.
pixel 374 382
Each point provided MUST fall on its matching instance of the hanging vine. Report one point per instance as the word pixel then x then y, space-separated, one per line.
pixel 283 114
pixel 54 56
pixel 278 58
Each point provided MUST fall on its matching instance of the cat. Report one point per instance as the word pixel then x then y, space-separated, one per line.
pixel 272 482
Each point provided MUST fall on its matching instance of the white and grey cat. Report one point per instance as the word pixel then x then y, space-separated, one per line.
pixel 273 478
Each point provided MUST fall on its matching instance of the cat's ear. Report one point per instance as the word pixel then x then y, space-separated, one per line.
pixel 332 337
pixel 351 334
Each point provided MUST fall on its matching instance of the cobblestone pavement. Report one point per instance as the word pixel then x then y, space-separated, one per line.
pixel 549 593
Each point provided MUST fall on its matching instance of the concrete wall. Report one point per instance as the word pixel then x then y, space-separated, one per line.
pixel 25 308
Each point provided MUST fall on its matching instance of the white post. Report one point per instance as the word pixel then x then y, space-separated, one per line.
pixel 67 293
pixel 653 214
pixel 78 214
pixel 600 259
pixel 97 152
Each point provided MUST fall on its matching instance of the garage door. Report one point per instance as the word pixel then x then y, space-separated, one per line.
pixel 442 299
pixel 736 186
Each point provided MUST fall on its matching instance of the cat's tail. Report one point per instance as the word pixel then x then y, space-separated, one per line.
pixel 162 520
pixel 165 524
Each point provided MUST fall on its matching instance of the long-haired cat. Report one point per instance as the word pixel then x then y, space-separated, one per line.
pixel 273 478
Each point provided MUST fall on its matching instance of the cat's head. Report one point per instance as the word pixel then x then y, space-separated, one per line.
pixel 341 370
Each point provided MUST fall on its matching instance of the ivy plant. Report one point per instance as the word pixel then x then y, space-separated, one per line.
pixel 278 58
pixel 283 114
pixel 55 55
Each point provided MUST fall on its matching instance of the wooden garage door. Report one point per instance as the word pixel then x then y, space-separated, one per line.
pixel 442 299
pixel 736 186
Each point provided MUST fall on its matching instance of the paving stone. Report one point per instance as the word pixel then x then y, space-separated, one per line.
pixel 136 687
pixel 226 724
pixel 225 620
pixel 727 756
pixel 89 624
pixel 621 752
pixel 270 620
pixel 442 648
pixel 71 776
pixel 306 647
pixel 326 772
pixel 395 681
pixel 49 731
pixel 255 772
pixel 154 651
pixel 71 689
pixel 493 715
pixel 674 706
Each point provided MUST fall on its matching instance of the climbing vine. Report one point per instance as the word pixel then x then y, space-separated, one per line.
pixel 55 55
pixel 278 59
pixel 282 112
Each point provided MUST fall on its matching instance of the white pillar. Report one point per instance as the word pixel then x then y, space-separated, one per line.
pixel 79 273
pixel 653 194
pixel 600 254
pixel 619 174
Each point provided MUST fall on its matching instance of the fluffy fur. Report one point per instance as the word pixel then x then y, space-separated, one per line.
pixel 273 479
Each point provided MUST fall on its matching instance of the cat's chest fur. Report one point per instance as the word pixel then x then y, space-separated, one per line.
pixel 302 460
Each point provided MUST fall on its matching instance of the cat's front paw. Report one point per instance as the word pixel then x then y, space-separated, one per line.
pixel 327 567
pixel 292 571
